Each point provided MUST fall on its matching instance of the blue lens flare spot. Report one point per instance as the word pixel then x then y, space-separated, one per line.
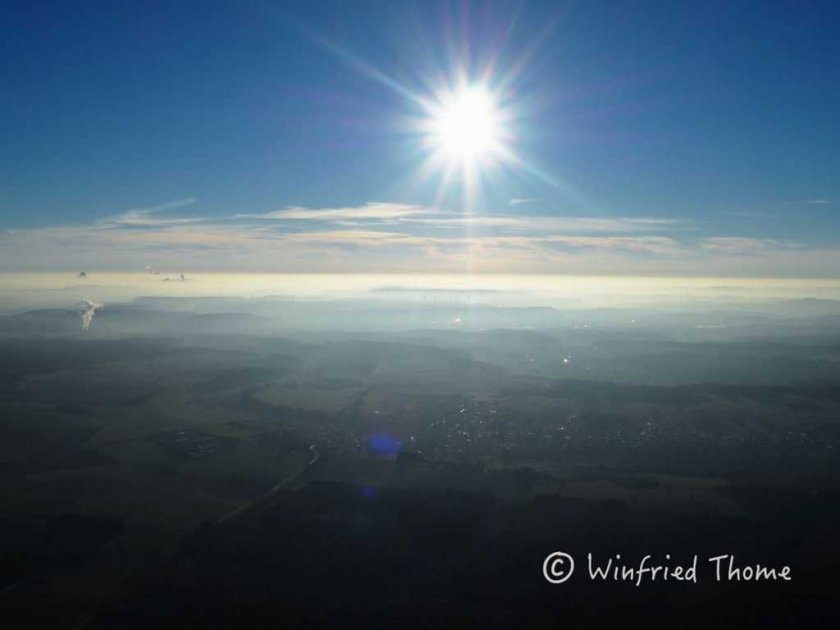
pixel 384 445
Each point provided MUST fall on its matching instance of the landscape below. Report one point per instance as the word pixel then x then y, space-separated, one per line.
pixel 222 461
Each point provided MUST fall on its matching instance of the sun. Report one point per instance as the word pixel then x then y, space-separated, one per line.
pixel 466 125
pixel 467 130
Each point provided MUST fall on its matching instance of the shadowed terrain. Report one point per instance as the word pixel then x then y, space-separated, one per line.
pixel 194 462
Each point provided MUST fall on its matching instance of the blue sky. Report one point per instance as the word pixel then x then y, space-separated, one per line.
pixel 651 137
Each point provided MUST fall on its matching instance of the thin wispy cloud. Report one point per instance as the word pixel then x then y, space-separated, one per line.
pixel 545 224
pixel 169 205
pixel 366 211
pixel 519 201
pixel 375 236
pixel 654 245
pixel 391 214
pixel 743 246
pixel 150 216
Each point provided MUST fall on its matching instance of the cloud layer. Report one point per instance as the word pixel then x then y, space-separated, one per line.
pixel 381 237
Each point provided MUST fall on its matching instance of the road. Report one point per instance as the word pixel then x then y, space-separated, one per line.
pixel 284 484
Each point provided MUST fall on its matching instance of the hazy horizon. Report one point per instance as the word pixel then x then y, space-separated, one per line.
pixel 39 289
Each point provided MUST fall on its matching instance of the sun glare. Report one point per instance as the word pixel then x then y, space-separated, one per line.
pixel 466 125
pixel 467 135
